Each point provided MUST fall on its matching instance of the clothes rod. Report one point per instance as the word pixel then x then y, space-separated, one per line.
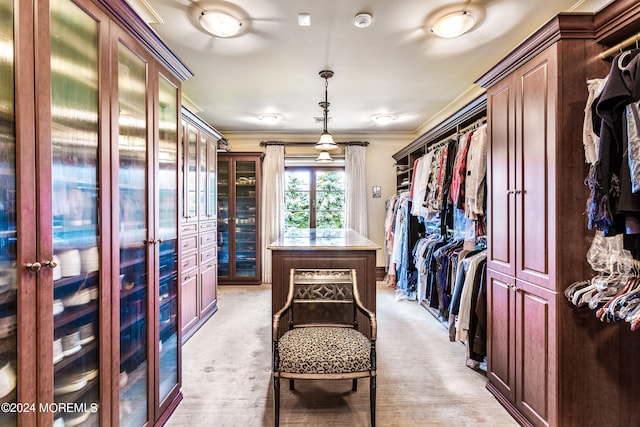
pixel 617 48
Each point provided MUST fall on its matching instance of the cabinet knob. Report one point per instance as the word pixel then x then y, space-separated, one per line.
pixel 36 266
pixel 51 264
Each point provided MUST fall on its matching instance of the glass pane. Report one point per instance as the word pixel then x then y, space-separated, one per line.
pixel 132 179
pixel 211 159
pixel 297 199
pixel 245 218
pixel 223 218
pixel 168 235
pixel 192 174
pixel 74 186
pixel 8 232
pixel 329 199
pixel 202 181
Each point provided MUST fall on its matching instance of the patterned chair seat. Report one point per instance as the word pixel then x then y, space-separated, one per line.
pixel 324 350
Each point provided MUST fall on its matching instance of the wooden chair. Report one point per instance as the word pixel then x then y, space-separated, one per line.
pixel 323 341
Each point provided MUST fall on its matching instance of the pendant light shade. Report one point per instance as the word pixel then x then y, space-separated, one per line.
pixel 324 157
pixel 326 142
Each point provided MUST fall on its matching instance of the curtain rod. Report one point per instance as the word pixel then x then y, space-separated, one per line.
pixel 311 144
pixel 625 43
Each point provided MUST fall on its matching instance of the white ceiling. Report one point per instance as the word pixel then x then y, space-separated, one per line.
pixel 394 66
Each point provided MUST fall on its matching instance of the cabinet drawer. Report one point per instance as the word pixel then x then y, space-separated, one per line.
pixel 208 258
pixel 189 262
pixel 207 239
pixel 189 227
pixel 208 226
pixel 189 243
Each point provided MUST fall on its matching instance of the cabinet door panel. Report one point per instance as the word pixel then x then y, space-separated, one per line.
pixel 166 193
pixel 224 202
pixel 189 300
pixel 208 288
pixel 8 217
pixel 76 227
pixel 133 191
pixel 501 179
pixel 532 171
pixel 500 330
pixel 535 350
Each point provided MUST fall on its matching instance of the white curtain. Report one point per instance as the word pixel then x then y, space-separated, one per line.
pixel 272 222
pixel 355 191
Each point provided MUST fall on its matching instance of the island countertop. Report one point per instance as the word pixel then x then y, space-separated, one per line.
pixel 323 239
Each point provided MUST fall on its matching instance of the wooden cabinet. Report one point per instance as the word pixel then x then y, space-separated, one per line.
pixel 543 355
pixel 198 243
pixel 89 216
pixel 522 221
pixel 239 218
pixel 521 349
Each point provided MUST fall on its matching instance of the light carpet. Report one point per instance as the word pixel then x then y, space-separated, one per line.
pixel 422 377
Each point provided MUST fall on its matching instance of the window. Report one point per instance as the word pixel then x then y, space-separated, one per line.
pixel 314 197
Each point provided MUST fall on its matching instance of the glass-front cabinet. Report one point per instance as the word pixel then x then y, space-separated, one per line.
pixel 89 218
pixel 239 218
pixel 147 216
pixel 198 223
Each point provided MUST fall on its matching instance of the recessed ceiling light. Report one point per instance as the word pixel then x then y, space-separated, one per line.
pixel 362 20
pixel 304 19
pixel 453 24
pixel 270 118
pixel 383 119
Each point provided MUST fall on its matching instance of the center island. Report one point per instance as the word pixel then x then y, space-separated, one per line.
pixel 324 248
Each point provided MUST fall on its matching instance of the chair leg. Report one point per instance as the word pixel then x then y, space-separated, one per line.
pixel 354 385
pixel 372 399
pixel 276 401
pixel 291 385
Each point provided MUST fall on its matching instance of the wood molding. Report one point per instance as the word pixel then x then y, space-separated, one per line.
pixel 617 21
pixel 562 26
pixel 463 117
pixel 127 19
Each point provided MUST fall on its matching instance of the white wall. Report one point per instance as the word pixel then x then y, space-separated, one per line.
pixel 380 168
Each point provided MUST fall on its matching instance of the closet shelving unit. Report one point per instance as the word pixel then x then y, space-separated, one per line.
pixel 405 158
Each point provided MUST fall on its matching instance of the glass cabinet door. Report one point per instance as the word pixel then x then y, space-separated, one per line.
pixel 167 238
pixel 245 219
pixel 202 177
pixel 74 195
pixel 212 146
pixel 223 217
pixel 191 168
pixel 8 230
pixel 133 230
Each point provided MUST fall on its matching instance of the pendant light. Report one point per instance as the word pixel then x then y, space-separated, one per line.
pixel 326 142
pixel 324 157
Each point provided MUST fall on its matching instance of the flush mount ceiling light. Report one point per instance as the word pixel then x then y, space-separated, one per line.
pixel 326 142
pixel 383 119
pixel 270 118
pixel 362 20
pixel 220 22
pixel 453 24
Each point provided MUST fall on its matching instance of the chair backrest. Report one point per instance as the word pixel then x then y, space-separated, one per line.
pixel 323 296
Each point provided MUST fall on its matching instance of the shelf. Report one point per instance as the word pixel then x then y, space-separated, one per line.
pixel 75 395
pixel 72 358
pixel 66 281
pixel 70 314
